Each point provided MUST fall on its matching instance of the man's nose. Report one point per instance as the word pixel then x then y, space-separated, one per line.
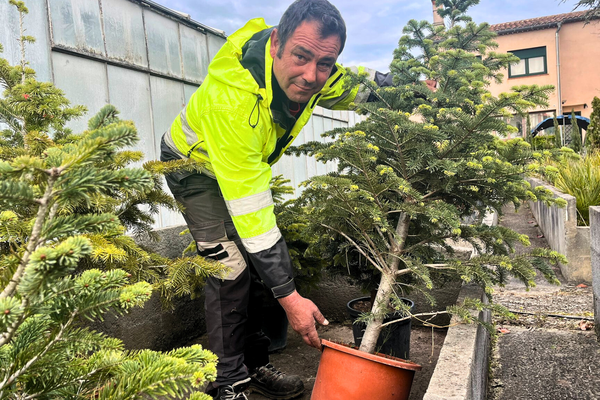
pixel 310 73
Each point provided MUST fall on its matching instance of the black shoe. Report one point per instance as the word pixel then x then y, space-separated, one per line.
pixel 276 385
pixel 231 392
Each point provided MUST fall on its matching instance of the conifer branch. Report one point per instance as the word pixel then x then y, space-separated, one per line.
pixel 360 250
pixel 35 238
pixel 9 380
pixel 12 329
pixel 468 134
pixel 416 316
pixel 22 45
pixel 400 151
pixel 78 379
pixel 425 241
pixel 365 235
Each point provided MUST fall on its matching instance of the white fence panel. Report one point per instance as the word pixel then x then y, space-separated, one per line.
pixel 163 44
pixel 84 82
pixel 194 46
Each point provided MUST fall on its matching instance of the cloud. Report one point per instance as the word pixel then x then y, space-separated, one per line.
pixel 374 27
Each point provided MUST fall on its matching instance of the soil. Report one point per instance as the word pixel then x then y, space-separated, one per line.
pixel 362 306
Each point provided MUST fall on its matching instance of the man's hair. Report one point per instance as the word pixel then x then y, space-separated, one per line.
pixel 329 19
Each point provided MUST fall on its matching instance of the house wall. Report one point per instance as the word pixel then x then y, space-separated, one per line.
pixel 527 40
pixel 579 46
pixel 580 73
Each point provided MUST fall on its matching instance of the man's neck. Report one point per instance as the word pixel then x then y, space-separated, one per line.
pixel 284 105
pixel 294 108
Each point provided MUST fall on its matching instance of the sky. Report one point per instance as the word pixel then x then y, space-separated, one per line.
pixel 373 26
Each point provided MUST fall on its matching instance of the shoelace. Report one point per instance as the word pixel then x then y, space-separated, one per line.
pixel 271 372
pixel 230 394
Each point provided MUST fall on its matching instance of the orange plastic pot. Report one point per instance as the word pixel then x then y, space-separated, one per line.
pixel 348 374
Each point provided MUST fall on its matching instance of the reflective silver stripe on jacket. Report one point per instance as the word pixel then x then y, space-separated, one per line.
pixel 190 136
pixel 249 204
pixel 262 242
pixel 171 144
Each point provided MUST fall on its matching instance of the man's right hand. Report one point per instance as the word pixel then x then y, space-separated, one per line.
pixel 303 315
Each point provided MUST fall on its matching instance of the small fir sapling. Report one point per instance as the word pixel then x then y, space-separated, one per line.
pixel 592 135
pixel 558 139
pixel 30 111
pixel 575 134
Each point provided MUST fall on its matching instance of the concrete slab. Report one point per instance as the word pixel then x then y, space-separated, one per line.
pixel 461 371
pixel 595 254
pixel 546 365
pixel 560 228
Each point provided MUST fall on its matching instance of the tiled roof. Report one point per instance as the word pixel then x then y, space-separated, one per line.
pixel 537 23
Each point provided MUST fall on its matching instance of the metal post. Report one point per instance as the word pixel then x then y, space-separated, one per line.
pixel 558 85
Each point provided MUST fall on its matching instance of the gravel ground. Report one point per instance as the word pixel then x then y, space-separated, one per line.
pixel 549 351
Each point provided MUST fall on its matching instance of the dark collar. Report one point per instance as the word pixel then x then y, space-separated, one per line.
pixel 253 59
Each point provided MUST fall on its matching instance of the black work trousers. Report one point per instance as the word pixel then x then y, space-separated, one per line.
pixel 233 304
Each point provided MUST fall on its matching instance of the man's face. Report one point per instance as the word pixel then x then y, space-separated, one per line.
pixel 306 62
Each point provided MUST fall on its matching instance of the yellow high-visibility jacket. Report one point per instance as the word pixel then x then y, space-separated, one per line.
pixel 236 124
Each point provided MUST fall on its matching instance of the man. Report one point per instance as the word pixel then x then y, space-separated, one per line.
pixel 261 89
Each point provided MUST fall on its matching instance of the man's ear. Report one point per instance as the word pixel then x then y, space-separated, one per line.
pixel 274 43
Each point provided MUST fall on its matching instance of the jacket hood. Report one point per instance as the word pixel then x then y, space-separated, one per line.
pixel 226 66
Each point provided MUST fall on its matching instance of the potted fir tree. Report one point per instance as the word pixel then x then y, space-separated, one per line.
pixel 428 155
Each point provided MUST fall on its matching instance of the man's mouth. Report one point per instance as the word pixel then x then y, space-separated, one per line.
pixel 303 88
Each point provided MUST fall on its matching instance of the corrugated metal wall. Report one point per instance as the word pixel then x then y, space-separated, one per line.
pixel 139 56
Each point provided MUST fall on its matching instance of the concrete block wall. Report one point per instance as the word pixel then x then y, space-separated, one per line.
pixel 461 372
pixel 595 255
pixel 153 326
pixel 559 226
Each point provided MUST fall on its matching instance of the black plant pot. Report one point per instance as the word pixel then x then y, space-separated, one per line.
pixel 275 326
pixel 394 339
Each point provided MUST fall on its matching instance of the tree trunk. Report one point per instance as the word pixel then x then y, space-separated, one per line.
pixel 385 289
pixel 369 340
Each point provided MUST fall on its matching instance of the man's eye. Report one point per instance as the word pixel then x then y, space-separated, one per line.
pixel 300 57
pixel 325 66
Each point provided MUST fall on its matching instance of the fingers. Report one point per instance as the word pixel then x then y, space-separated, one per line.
pixel 303 315
pixel 320 318
pixel 312 339
pixel 306 340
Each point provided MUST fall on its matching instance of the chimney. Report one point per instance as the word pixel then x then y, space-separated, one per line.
pixel 437 19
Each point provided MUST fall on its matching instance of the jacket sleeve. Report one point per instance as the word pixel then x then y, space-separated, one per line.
pixel 337 97
pixel 235 151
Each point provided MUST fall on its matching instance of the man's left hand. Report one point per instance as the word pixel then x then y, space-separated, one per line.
pixel 303 315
